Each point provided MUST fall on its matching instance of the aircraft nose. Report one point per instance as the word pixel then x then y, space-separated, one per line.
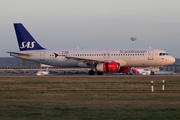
pixel 172 60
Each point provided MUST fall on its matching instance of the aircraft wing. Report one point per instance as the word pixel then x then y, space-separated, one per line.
pixel 85 60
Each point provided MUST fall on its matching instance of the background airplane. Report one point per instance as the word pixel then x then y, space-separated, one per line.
pixel 42 73
pixel 100 60
pixel 136 71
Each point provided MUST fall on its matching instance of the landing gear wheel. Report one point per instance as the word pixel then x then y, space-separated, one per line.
pixel 152 73
pixel 99 73
pixel 91 72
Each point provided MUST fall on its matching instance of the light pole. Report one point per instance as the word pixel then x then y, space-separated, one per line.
pixel 133 39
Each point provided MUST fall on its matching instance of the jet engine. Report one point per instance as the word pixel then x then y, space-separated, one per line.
pixel 108 67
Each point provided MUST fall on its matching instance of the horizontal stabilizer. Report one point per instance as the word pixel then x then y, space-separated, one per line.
pixel 17 54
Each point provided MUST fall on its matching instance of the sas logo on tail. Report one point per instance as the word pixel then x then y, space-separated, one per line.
pixel 28 44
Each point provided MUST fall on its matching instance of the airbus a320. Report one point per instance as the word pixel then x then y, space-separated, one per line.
pixel 100 60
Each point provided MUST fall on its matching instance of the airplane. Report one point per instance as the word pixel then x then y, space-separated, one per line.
pixel 99 60
pixel 43 72
pixel 136 71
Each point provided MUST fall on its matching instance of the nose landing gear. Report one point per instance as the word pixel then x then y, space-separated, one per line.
pixel 152 70
pixel 152 73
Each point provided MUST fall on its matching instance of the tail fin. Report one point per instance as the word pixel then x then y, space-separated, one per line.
pixel 24 38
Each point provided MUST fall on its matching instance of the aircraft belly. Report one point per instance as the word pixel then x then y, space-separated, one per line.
pixel 141 63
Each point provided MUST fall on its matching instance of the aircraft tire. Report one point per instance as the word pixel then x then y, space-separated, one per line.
pixel 152 73
pixel 99 73
pixel 91 72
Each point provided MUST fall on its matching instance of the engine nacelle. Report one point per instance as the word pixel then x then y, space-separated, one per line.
pixel 108 67
pixel 124 70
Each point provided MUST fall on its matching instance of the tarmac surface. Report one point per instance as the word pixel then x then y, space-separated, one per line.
pixel 71 72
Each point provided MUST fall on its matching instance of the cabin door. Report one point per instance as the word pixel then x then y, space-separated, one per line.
pixel 150 54
pixel 42 56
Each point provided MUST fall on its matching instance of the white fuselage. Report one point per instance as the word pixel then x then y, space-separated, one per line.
pixel 126 57
pixel 42 73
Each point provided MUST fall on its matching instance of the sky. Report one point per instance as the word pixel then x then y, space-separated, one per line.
pixel 68 24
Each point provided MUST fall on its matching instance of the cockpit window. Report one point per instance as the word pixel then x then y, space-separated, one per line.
pixel 162 54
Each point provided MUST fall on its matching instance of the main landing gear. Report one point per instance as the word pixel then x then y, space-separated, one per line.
pixel 92 72
pixel 99 73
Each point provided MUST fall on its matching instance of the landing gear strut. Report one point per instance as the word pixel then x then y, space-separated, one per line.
pixel 152 73
pixel 91 72
pixel 152 70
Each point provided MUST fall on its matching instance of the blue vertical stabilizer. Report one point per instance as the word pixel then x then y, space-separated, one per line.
pixel 24 38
